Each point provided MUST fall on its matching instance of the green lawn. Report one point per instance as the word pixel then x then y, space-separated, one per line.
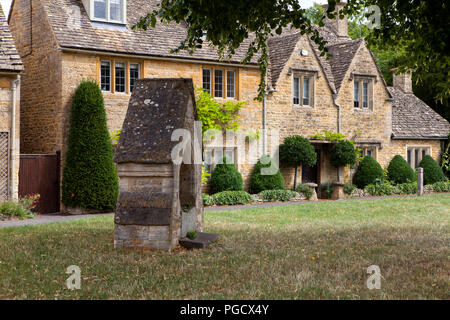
pixel 311 251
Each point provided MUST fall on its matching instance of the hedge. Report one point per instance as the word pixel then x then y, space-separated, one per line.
pixel 369 171
pixel 225 177
pixel 277 195
pixel 399 171
pixel 90 178
pixel 260 182
pixel 432 172
pixel 231 198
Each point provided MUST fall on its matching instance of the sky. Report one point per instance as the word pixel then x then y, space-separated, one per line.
pixel 305 3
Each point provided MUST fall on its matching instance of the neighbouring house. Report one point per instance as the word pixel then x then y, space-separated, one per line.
pixel 10 68
pixel 65 41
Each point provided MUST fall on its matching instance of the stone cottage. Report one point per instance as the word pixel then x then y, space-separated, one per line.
pixel 65 41
pixel 10 68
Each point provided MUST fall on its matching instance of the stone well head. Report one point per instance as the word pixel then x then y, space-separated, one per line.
pixel 159 198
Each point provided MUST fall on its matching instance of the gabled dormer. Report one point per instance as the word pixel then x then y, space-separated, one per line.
pixel 109 11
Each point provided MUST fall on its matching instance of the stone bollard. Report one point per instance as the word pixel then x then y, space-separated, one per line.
pixel 313 187
pixel 419 181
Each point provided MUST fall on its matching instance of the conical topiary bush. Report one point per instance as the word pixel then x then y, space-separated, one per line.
pixel 225 177
pixel 432 172
pixel 369 171
pixel 260 182
pixel 90 179
pixel 399 171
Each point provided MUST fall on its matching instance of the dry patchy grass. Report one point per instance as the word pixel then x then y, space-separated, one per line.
pixel 312 251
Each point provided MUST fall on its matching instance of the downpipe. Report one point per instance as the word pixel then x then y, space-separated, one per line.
pixel 12 190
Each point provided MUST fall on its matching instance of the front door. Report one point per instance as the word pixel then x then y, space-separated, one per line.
pixel 311 174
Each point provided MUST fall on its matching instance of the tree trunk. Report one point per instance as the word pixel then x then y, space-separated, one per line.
pixel 295 179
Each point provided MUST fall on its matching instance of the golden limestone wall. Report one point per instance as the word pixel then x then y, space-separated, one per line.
pixel 306 121
pixel 78 66
pixel 41 114
pixel 374 124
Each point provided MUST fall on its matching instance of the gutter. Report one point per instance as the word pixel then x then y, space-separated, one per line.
pixel 335 97
pixel 15 85
pixel 160 58
pixel 418 138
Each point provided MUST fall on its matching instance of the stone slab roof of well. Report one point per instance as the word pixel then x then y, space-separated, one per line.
pixel 9 58
pixel 155 42
pixel 413 118
pixel 157 107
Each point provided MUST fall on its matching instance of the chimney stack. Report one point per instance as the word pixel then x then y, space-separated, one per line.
pixel 339 25
pixel 402 81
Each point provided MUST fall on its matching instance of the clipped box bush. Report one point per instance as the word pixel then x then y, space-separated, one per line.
pixel 260 182
pixel 399 171
pixel 432 172
pixel 226 177
pixel 305 190
pixel 369 171
pixel 277 195
pixel 231 198
pixel 90 179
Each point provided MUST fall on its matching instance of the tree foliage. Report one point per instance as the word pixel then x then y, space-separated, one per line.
pixel 297 151
pixel 343 153
pixel 226 24
pixel 417 27
pixel 90 179
pixel 428 80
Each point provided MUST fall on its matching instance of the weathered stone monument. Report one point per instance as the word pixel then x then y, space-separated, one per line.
pixel 159 200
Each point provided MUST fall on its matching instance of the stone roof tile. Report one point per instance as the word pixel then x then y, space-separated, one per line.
pixel 9 58
pixel 156 41
pixel 414 119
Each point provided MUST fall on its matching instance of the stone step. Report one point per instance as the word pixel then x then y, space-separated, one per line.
pixel 202 241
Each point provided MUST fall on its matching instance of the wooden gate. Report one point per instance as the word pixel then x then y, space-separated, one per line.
pixel 39 173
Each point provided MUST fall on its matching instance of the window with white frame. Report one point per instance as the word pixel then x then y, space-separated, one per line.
pixel 105 76
pixel 119 79
pixel 303 90
pixel 134 74
pixel 415 155
pixel 362 90
pixel 368 151
pixel 108 10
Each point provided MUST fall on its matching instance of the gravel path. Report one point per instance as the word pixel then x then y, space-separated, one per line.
pixel 51 218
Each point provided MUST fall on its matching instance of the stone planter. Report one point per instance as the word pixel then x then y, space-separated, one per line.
pixel 338 191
